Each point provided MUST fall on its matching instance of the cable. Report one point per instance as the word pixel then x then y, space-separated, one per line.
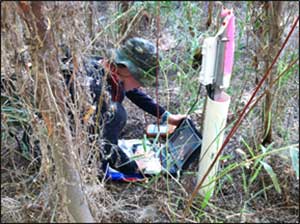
pixel 196 101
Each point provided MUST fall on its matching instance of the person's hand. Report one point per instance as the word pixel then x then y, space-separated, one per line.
pixel 175 119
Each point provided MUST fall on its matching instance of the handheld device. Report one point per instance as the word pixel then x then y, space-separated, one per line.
pixel 152 130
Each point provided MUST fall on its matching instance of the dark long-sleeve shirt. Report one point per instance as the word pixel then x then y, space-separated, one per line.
pixel 145 102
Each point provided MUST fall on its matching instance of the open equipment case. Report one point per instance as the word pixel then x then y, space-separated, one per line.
pixel 182 147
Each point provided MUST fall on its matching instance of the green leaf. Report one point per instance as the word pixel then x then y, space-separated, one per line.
pixel 264 149
pixel 225 157
pixel 135 157
pixel 248 147
pixel 229 178
pixel 294 153
pixel 145 143
pixel 227 169
pixel 244 181
pixel 208 195
pixel 273 176
pixel 257 171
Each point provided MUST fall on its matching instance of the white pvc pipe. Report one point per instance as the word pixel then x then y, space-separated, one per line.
pixel 213 133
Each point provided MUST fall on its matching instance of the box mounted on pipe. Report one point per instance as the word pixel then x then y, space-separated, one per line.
pixel 218 53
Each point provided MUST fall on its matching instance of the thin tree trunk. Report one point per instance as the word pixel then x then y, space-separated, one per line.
pixel 124 6
pixel 209 14
pixel 51 104
pixel 273 16
pixel 91 19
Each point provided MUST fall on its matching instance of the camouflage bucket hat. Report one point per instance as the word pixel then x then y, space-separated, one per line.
pixel 139 56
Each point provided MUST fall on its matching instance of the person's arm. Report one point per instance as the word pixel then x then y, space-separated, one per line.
pixel 146 103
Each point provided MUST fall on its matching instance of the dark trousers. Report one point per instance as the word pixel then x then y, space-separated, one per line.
pixel 112 154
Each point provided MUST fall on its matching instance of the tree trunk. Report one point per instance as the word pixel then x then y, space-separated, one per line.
pixel 124 6
pixel 209 14
pixel 91 19
pixel 266 20
pixel 50 102
pixel 273 25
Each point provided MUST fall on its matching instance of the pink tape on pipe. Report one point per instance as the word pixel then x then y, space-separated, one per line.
pixel 229 47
